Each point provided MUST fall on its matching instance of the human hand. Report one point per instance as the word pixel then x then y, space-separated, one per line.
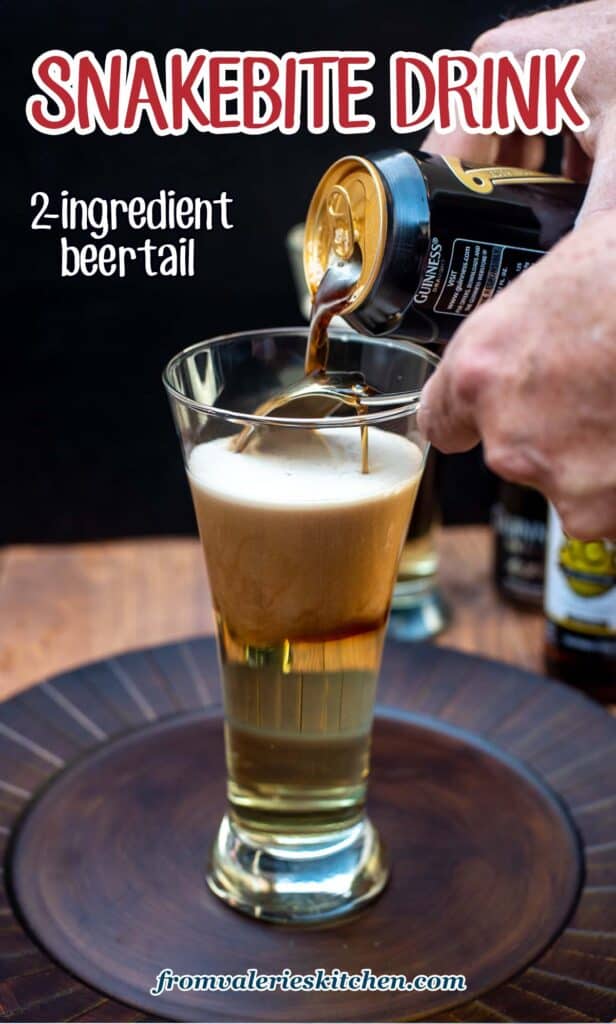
pixel 590 27
pixel 532 373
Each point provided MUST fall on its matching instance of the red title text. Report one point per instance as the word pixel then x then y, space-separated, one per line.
pixel 255 92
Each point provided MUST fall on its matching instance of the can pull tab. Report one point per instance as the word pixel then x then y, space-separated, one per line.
pixel 340 214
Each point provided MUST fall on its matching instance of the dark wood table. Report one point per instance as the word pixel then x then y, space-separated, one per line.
pixel 61 606
pixel 66 604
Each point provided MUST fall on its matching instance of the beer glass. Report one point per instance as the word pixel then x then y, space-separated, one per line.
pixel 302 547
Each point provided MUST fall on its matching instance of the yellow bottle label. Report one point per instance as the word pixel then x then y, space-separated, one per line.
pixel 580 582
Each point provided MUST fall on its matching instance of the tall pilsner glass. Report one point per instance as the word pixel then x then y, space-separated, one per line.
pixel 302 550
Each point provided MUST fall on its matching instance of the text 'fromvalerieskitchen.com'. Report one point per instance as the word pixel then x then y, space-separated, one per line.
pixel 314 981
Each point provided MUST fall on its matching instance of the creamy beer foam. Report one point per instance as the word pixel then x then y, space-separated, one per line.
pixel 299 543
pixel 300 467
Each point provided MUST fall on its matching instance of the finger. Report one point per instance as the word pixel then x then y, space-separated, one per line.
pixel 576 164
pixel 601 193
pixel 445 418
pixel 518 150
pixel 480 149
pixel 515 150
pixel 589 519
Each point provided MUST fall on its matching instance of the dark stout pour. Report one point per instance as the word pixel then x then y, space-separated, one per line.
pixel 325 390
pixel 332 299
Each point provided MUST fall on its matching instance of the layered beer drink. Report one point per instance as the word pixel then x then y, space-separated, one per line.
pixel 303 479
pixel 302 551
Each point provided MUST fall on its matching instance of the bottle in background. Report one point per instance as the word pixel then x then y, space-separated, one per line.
pixel 419 559
pixel 519 523
pixel 580 608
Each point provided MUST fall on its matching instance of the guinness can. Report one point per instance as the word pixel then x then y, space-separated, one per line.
pixel 434 237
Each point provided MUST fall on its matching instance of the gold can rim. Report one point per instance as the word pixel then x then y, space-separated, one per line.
pixel 349 199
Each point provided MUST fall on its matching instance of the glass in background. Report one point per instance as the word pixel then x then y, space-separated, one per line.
pixel 418 608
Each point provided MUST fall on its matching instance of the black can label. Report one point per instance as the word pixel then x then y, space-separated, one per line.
pixel 474 272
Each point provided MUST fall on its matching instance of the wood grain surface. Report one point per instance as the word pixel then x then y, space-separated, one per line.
pixel 114 902
pixel 567 741
pixel 65 605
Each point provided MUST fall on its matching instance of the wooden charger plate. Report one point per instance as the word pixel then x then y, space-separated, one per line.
pixel 493 788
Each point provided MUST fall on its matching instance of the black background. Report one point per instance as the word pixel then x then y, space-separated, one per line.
pixel 88 447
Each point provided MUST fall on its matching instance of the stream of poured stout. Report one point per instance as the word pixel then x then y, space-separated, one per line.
pixel 325 390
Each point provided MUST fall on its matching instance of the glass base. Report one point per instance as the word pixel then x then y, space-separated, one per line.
pixel 418 610
pixel 297 879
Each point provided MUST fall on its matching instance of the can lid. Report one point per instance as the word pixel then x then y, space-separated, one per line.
pixel 348 209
